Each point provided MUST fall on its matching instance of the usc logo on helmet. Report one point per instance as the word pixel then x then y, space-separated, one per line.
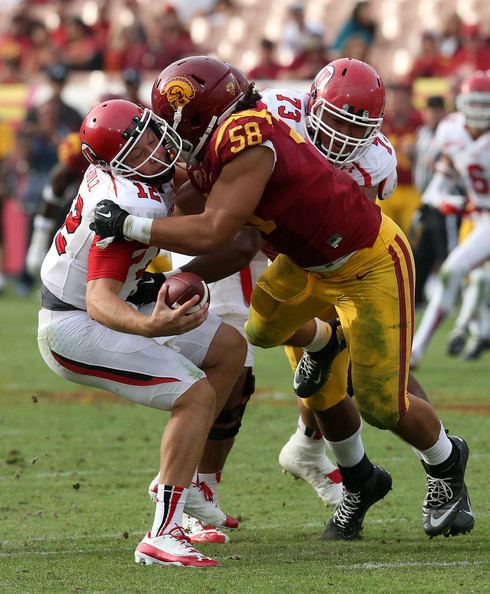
pixel 179 92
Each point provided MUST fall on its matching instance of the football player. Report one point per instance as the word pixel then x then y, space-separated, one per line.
pixel 335 249
pixel 464 139
pixel 90 332
pixel 65 178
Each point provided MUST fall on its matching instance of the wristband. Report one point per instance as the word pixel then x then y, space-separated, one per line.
pixel 50 197
pixel 42 223
pixel 172 272
pixel 138 228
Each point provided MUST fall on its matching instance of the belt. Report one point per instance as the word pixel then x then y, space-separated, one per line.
pixel 330 265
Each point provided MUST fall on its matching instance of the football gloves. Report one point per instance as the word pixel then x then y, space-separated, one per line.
pixel 109 220
pixel 148 288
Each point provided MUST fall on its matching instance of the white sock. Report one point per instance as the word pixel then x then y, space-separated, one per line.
pixel 169 509
pixel 350 451
pixel 439 452
pixel 321 338
pixel 306 434
pixel 212 480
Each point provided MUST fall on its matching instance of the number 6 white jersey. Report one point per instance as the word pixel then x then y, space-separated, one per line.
pixel 376 167
pixel 470 158
pixel 73 252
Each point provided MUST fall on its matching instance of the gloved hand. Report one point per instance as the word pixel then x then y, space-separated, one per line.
pixel 148 288
pixel 109 220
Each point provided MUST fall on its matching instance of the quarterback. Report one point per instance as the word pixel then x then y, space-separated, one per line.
pixel 335 249
pixel 91 333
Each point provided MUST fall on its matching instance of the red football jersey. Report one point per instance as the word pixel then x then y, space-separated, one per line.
pixel 310 211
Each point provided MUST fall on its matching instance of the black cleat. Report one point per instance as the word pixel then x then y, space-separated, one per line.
pixel 447 496
pixel 464 521
pixel 475 346
pixel 456 342
pixel 346 522
pixel 313 369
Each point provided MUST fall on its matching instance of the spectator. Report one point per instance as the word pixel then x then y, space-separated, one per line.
pixel 168 41
pixel 450 38
pixel 127 49
pixel 188 9
pixel 309 62
pixel 267 67
pixel 39 136
pixel 132 84
pixel 430 62
pixel 400 125
pixel 41 54
pixel 296 31
pixel 360 23
pixel 474 53
pixel 81 50
pixel 356 47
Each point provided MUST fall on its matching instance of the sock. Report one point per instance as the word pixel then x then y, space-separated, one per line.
pixel 441 454
pixel 350 451
pixel 169 509
pixel 307 433
pixel 212 480
pixel 355 477
pixel 322 336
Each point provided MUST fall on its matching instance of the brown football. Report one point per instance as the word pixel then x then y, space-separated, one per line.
pixel 182 287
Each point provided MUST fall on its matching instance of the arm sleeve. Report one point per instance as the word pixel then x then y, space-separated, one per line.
pixel 111 262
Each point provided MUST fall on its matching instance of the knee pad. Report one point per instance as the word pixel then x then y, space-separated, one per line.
pixel 229 421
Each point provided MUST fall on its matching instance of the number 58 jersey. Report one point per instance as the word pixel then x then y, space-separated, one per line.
pixel 74 258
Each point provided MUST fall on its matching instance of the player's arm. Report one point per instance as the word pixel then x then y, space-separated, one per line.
pixel 106 307
pixel 47 214
pixel 228 260
pixel 234 197
pixel 441 193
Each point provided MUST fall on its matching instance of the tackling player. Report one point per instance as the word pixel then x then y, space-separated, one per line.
pixel 335 249
pixel 91 334
pixel 464 138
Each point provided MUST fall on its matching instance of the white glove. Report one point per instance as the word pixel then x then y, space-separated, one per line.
pixel 39 245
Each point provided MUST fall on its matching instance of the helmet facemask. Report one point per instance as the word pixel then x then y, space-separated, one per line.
pixel 337 147
pixel 475 106
pixel 165 135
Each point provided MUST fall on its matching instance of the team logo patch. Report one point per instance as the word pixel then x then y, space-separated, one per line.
pixel 89 153
pixel 179 92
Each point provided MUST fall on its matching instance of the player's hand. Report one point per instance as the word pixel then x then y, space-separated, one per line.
pixel 147 289
pixel 109 220
pixel 165 321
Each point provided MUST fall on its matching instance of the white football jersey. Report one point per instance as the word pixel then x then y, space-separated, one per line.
pixel 470 158
pixel 64 270
pixel 376 167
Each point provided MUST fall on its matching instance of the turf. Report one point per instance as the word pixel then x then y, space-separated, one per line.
pixel 74 465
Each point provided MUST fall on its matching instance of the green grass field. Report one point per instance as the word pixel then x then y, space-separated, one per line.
pixel 74 467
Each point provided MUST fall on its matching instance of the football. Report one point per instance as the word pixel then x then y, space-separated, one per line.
pixel 182 287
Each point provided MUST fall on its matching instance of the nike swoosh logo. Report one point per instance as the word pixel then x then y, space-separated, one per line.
pixel 361 276
pixel 106 215
pixel 436 522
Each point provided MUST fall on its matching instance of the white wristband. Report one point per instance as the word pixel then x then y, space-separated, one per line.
pixel 138 228
pixel 172 272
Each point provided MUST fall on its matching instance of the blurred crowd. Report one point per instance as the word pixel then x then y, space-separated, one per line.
pixel 47 41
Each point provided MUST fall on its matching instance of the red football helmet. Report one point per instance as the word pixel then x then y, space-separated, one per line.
pixel 112 129
pixel 194 95
pixel 473 100
pixel 348 90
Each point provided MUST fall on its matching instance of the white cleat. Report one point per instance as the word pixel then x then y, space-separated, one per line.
pixel 173 548
pixel 310 463
pixel 200 505
pixel 198 532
